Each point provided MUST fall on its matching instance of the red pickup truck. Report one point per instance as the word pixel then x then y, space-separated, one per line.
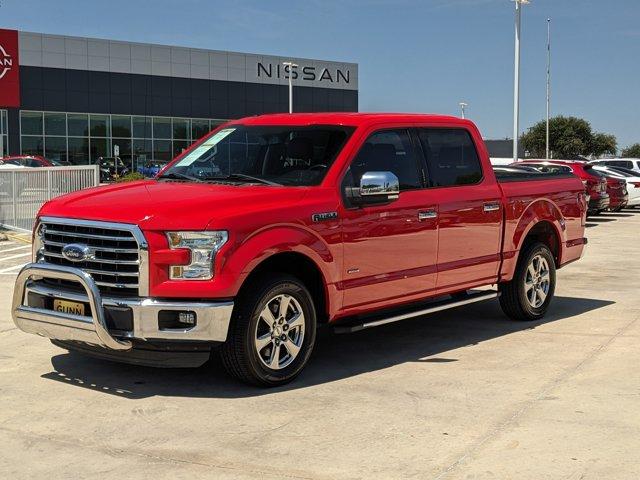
pixel 272 225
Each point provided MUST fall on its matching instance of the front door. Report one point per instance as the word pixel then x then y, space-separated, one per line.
pixel 390 250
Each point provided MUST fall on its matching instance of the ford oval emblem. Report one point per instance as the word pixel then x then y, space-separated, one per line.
pixel 76 252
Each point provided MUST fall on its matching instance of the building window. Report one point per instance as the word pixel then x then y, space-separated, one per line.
pixel 78 148
pixel 142 127
pixel 161 128
pixel 32 145
pixel 55 148
pixel 31 123
pixel 78 125
pixel 82 138
pixel 199 128
pixel 4 129
pixel 55 124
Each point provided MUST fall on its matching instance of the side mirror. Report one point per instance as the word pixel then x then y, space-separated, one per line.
pixel 377 184
pixel 375 188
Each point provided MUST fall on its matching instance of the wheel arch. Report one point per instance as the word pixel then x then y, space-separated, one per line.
pixel 546 233
pixel 542 221
pixel 300 266
pixel 294 250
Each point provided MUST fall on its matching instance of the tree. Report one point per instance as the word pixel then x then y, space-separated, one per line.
pixel 603 143
pixel 569 137
pixel 632 151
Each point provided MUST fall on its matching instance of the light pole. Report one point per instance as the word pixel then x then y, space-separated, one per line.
pixel 548 81
pixel 291 66
pixel 462 107
pixel 516 80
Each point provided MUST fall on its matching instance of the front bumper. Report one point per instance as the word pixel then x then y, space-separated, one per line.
pixel 212 319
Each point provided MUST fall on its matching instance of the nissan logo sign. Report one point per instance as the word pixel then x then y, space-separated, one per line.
pixel 76 252
pixel 6 62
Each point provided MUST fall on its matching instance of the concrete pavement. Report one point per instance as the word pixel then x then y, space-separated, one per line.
pixel 465 394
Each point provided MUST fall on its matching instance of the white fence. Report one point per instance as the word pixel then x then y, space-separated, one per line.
pixel 24 190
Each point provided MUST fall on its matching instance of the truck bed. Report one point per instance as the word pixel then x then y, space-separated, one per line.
pixel 517 174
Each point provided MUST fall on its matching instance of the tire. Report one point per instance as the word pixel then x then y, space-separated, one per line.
pixel 521 299
pixel 248 353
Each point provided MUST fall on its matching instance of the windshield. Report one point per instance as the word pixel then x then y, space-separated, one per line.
pixel 283 155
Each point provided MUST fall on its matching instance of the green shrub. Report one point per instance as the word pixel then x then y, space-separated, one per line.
pixel 131 177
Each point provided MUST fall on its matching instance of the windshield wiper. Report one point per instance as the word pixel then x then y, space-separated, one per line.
pixel 180 176
pixel 242 176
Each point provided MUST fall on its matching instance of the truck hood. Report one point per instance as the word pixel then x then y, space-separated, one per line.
pixel 160 205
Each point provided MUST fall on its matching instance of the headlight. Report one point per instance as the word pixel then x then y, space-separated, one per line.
pixel 203 247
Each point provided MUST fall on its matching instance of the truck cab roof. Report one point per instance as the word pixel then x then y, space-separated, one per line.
pixel 349 119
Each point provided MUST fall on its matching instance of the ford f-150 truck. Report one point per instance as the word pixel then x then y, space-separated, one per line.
pixel 272 225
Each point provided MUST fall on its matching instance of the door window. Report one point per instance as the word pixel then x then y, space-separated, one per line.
pixel 620 163
pixel 451 155
pixel 387 151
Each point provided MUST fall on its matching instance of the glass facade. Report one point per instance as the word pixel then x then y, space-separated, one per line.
pixel 3 132
pixel 82 138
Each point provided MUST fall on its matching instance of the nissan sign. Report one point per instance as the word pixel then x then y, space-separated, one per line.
pixel 9 69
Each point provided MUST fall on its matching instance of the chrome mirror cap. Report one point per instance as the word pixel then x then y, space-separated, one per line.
pixel 379 183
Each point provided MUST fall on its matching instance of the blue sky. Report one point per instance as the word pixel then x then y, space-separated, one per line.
pixel 414 55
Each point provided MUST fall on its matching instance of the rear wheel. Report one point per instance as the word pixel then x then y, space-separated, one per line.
pixel 272 332
pixel 528 295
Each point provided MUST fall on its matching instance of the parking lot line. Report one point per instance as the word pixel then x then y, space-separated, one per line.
pixel 10 270
pixel 14 248
pixel 2 259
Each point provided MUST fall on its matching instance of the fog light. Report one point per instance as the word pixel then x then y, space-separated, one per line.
pixel 188 318
pixel 176 320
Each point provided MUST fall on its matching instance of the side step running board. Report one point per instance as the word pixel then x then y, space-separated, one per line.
pixel 434 307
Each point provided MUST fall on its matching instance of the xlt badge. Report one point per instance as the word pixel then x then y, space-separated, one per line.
pixel 323 217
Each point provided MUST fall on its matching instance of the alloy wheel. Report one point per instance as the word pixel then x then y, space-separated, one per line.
pixel 537 281
pixel 279 332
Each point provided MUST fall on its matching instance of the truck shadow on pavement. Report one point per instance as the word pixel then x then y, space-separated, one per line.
pixel 336 357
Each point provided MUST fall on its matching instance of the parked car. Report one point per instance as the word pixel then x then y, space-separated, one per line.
pixel 6 162
pixel 631 178
pixel 36 161
pixel 630 163
pixel 149 169
pixel 595 183
pixel 354 220
pixel 618 194
pixel 111 168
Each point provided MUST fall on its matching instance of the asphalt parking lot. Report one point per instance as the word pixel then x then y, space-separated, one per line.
pixel 464 394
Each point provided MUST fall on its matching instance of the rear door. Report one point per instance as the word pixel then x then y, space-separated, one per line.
pixel 469 209
pixel 390 250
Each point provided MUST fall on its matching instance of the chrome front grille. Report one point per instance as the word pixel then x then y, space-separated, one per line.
pixel 118 251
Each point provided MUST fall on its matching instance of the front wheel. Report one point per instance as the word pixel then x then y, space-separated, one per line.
pixel 272 332
pixel 528 295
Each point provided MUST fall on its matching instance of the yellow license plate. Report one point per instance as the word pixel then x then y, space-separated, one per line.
pixel 65 306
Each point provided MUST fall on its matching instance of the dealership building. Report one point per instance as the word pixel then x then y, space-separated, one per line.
pixel 76 99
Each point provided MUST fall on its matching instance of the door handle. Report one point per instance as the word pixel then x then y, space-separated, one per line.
pixel 491 206
pixel 427 215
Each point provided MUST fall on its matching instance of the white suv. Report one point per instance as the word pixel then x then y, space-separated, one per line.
pixel 628 163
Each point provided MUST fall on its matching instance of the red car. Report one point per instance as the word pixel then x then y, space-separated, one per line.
pixel 34 161
pixel 618 194
pixel 271 225
pixel 595 182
